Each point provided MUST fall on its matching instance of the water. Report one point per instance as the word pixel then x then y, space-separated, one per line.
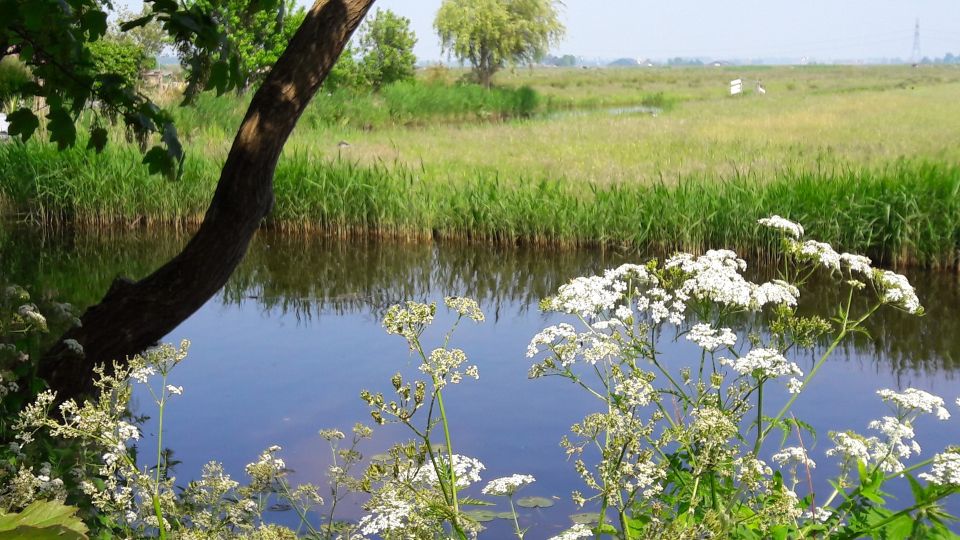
pixel 286 347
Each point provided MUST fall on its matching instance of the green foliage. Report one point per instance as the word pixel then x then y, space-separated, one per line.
pixel 149 36
pixel 43 520
pixel 14 76
pixel 491 33
pixel 57 41
pixel 121 58
pixel 386 46
pixel 257 38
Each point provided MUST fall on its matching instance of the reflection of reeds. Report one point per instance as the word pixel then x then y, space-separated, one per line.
pixel 314 277
pixel 904 213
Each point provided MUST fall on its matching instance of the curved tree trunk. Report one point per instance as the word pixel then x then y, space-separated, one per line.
pixel 134 315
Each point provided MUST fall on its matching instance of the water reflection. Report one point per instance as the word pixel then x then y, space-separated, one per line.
pixel 309 277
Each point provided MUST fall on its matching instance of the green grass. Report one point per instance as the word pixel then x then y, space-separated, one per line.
pixel 905 213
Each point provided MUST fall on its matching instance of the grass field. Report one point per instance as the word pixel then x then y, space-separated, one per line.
pixel 864 155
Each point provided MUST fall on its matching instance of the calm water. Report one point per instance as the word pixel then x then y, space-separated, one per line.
pixel 285 348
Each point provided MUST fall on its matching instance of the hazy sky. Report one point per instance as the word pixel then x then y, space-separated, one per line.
pixel 818 29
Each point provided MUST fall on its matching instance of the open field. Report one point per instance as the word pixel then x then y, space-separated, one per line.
pixel 865 155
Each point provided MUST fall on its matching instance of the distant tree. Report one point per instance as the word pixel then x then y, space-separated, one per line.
pixel 256 37
pixel 120 57
pixel 491 33
pixel 386 47
pixel 150 37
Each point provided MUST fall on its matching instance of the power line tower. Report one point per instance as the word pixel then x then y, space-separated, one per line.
pixel 916 55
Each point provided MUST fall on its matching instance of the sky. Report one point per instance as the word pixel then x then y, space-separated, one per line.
pixel 821 30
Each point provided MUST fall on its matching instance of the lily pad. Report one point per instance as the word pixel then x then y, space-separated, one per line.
pixel 481 515
pixel 505 515
pixel 585 518
pixel 535 502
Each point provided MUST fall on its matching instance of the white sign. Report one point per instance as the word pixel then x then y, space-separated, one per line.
pixel 736 87
pixel 4 125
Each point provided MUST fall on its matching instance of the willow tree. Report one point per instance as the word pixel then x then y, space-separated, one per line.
pixel 488 34
pixel 53 38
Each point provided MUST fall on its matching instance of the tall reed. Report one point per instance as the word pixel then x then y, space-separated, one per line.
pixel 907 212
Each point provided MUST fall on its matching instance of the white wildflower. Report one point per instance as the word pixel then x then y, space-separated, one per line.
pixel 763 363
pixel 781 224
pixel 897 290
pixel 142 373
pixel 850 446
pixel 819 514
pixel 857 263
pixel 794 385
pixel 174 390
pixel 508 485
pixel 549 336
pixel 913 399
pixel 793 456
pixel 710 338
pixel 573 533
pixel 819 252
pixel 585 296
pixel 945 470
pixel 466 307
pixel 466 469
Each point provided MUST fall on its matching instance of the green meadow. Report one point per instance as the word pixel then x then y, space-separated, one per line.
pixel 661 158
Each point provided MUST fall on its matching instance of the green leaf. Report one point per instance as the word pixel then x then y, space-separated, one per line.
pixel 219 77
pixel 43 520
pixel 481 515
pixel 158 160
pixel 95 23
pixel 23 123
pixel 535 502
pixel 62 129
pixel 98 139
pixel 135 23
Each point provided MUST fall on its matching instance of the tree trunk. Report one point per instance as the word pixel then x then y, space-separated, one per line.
pixel 134 315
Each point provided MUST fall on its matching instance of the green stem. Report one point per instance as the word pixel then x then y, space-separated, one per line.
pixel 452 475
pixel 156 486
pixel 516 524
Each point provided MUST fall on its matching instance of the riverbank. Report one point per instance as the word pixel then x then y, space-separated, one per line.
pixel 905 213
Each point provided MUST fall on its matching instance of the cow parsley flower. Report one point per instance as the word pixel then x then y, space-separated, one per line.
pixel 857 263
pixel 573 533
pixel 945 470
pixel 466 307
pixel 896 290
pixel 585 296
pixel 819 252
pixel 917 400
pixel 763 363
pixel 549 336
pixel 781 224
pixel 850 446
pixel 508 485
pixel 711 339
pixel 793 456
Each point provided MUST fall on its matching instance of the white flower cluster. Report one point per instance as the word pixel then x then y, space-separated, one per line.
pixel 716 276
pixel 443 366
pixel 573 533
pixel 897 290
pixel 465 469
pixel 897 445
pixel 912 399
pixel 391 513
pixel 849 447
pixel 763 363
pixel 945 470
pixel 465 307
pixel 710 338
pixel 555 337
pixel 507 485
pixel 781 224
pixel 266 469
pixel 857 263
pixel 793 456
pixel 819 252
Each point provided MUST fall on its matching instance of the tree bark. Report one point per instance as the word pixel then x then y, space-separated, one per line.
pixel 135 315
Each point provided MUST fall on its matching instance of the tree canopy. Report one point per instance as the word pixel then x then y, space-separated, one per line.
pixel 386 45
pixel 489 34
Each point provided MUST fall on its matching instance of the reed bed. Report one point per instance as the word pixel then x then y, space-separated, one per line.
pixel 904 213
